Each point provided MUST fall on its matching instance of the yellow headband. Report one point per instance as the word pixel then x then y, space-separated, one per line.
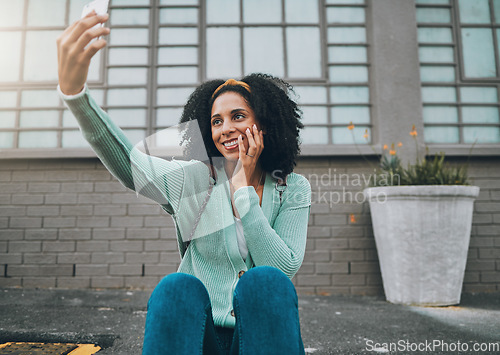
pixel 232 82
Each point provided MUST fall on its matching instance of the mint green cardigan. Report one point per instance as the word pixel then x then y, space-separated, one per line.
pixel 275 232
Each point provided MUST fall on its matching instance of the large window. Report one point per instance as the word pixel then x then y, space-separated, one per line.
pixel 31 115
pixel 458 48
pixel 160 50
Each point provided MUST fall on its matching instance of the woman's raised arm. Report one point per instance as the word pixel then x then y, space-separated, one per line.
pixel 155 178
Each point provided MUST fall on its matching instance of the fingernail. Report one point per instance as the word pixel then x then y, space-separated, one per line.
pixel 255 126
pixel 248 130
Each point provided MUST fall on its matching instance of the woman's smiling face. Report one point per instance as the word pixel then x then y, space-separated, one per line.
pixel 231 116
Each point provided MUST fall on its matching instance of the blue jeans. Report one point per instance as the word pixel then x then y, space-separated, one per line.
pixel 179 319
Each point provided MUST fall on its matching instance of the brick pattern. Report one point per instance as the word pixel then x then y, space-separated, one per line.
pixel 70 224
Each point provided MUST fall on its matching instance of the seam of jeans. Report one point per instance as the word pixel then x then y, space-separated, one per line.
pixel 236 308
pixel 208 308
pixel 218 339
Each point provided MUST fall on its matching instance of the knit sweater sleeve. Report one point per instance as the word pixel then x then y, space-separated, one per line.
pixel 283 244
pixel 155 178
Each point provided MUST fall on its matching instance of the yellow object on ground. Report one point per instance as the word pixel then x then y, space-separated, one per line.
pixel 48 349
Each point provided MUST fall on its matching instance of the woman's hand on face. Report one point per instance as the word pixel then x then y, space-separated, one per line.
pixel 74 52
pixel 248 159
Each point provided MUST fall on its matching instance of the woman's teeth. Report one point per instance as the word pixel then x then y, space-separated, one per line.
pixel 231 144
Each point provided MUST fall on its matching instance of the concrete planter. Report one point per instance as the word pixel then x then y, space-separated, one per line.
pixel 422 235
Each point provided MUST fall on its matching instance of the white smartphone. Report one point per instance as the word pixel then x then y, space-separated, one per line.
pixel 100 7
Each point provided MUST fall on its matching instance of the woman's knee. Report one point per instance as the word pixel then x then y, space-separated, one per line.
pixel 265 282
pixel 179 288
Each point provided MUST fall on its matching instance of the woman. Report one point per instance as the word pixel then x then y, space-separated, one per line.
pixel 241 219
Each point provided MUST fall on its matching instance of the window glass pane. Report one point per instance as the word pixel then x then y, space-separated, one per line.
pixel 129 36
pixel 39 98
pixel 127 97
pixel 345 54
pixel 262 11
pixel 7 119
pixel 129 17
pixel 304 52
pixel 440 114
pixel 498 42
pixel 479 57
pixel 349 94
pixel 38 139
pixel 128 56
pixel 168 116
pixel 223 11
pixel 98 96
pixel 441 134
pixel 348 74
pixel 127 76
pixel 428 15
pixel 314 114
pixel 478 94
pixel 46 12
pixel 346 35
pixel 173 97
pixel 436 2
pixel 311 94
pixel 223 52
pixel 73 139
pixel 40 60
pixel 347 114
pixel 177 55
pixel 11 56
pixel 436 54
pixel 345 15
pixel 496 6
pixel 178 75
pixel 301 11
pixel 341 135
pixel 6 139
pixel 8 99
pixel 263 50
pixel 437 74
pixel 11 13
pixel 178 35
pixel 128 117
pixel 434 35
pixel 482 134
pixel 39 118
pixel 314 135
pixel 135 135
pixel 477 11
pixel 68 119
pixel 480 115
pixel 439 94
pixel 170 16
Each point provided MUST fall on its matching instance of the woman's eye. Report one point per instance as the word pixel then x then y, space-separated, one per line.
pixel 215 122
pixel 239 116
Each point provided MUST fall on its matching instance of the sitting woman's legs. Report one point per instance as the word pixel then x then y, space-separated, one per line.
pixel 179 319
pixel 267 317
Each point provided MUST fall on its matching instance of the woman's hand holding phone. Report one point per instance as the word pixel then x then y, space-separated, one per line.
pixel 74 51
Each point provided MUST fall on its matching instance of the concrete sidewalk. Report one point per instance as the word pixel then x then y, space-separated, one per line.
pixel 330 324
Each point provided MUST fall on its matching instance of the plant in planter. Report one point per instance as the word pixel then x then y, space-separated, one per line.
pixel 422 217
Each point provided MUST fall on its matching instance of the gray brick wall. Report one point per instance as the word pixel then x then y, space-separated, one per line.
pixel 70 224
